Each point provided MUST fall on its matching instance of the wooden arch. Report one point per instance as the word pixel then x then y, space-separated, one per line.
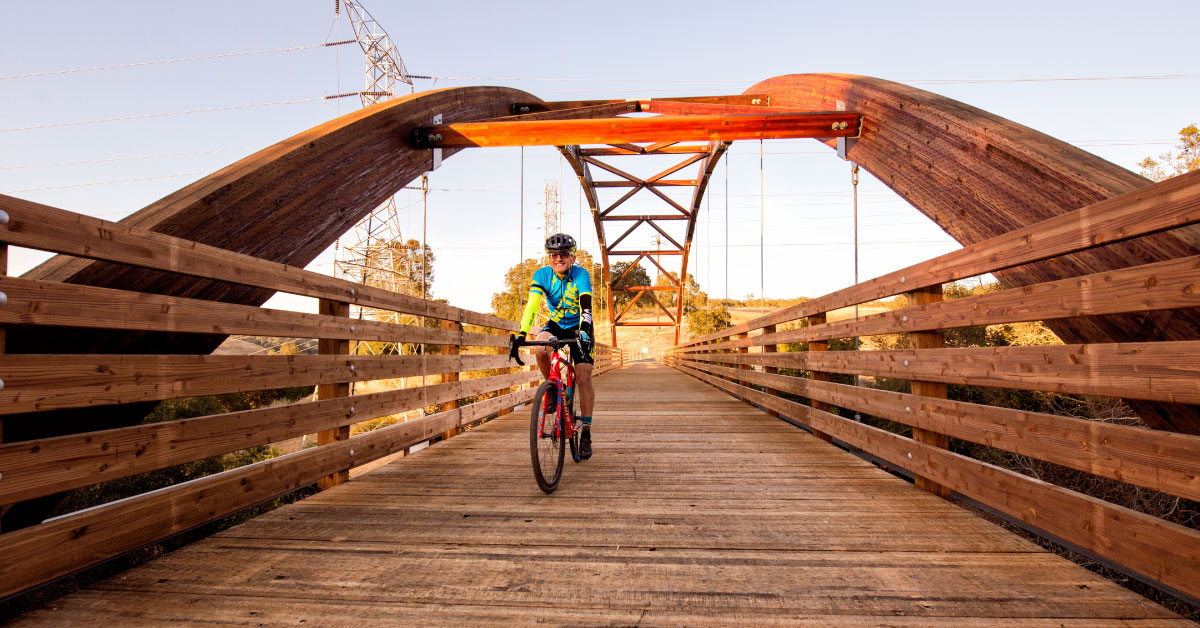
pixel 978 175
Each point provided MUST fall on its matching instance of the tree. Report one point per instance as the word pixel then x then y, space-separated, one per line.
pixel 702 322
pixel 1187 160
pixel 510 302
pixel 637 276
pixel 669 298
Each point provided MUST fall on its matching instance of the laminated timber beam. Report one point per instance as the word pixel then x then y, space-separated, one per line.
pixel 822 124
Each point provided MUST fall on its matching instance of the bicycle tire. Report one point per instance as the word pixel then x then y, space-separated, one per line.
pixel 546 453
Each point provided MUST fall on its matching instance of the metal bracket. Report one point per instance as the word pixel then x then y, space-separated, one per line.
pixel 437 152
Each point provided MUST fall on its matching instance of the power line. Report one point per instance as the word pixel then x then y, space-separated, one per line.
pixel 131 158
pixel 79 185
pixel 145 63
pixel 159 115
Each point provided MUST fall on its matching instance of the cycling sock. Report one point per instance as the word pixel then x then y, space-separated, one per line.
pixel 587 421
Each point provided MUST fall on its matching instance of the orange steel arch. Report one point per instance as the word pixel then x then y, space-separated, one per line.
pixel 974 173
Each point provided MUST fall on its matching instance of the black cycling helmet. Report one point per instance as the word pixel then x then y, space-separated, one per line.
pixel 560 242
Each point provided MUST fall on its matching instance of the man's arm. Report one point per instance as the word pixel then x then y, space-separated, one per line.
pixel 531 310
pixel 585 315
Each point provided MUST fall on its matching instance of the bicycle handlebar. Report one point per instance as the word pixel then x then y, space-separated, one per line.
pixel 514 345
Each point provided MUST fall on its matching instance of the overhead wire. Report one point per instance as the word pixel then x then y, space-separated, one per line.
pixel 159 115
pixel 161 62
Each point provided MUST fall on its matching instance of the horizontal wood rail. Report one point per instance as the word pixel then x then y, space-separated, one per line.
pixel 46 228
pixel 1158 367
pixel 464 373
pixel 1168 205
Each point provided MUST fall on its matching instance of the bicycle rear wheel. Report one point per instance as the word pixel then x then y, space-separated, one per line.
pixel 547 446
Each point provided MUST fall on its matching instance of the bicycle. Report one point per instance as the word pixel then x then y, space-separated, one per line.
pixel 552 428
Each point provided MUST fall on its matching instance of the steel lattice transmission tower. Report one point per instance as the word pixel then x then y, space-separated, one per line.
pixel 552 209
pixel 375 251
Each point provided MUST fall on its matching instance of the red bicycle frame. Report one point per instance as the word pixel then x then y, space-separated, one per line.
pixel 565 386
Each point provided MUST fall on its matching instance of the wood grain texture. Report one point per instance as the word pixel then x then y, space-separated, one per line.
pixel 1164 552
pixel 44 466
pixel 45 303
pixel 36 554
pixel 1156 459
pixel 1156 371
pixel 688 128
pixel 979 176
pixel 1168 205
pixel 647 532
pixel 50 382
pixel 1166 285
pixel 284 204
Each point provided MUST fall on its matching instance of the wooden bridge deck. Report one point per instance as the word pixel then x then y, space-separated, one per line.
pixel 697 509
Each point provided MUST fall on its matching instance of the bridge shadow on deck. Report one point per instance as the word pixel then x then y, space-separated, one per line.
pixel 696 509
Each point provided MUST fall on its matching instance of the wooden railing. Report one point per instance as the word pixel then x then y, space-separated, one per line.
pixel 1166 371
pixel 37 383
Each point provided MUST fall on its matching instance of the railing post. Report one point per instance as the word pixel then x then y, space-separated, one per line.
pixel 333 346
pixel 928 340
pixel 741 350
pixel 450 377
pixel 770 329
pixel 820 376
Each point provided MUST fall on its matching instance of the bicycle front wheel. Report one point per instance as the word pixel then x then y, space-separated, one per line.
pixel 547 446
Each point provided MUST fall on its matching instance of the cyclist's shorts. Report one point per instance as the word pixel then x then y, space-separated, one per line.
pixel 577 356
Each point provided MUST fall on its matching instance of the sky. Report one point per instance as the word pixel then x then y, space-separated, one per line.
pixel 107 142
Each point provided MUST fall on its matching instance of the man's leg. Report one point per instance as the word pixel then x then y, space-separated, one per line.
pixel 583 385
pixel 542 354
pixel 587 400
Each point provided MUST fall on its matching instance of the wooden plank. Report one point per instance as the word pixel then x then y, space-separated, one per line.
pixel 45 382
pixel 49 229
pixel 758 100
pixel 446 406
pixel 51 465
pixel 32 302
pixel 63 545
pixel 334 390
pixel 1154 459
pixel 1159 207
pixel 921 388
pixel 1146 288
pixel 1165 552
pixel 631 130
pixel 1158 371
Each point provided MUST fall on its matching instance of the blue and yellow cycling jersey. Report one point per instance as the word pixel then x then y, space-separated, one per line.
pixel 562 295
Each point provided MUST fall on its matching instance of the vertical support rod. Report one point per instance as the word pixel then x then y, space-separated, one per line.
pixel 451 377
pixel 928 340
pixel 331 391
pixel 820 376
pixel 770 329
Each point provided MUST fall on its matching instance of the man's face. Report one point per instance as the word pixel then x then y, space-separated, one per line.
pixel 560 262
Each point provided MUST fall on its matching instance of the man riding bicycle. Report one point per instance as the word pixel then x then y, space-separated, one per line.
pixel 568 292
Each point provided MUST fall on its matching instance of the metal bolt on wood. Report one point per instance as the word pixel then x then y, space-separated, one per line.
pixel 3 299
pixel 3 217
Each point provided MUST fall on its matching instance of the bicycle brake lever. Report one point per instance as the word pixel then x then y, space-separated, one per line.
pixel 514 349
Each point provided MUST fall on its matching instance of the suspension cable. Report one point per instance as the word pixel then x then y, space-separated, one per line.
pixel 762 265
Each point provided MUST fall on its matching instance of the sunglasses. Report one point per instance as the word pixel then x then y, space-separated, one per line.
pixel 559 255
